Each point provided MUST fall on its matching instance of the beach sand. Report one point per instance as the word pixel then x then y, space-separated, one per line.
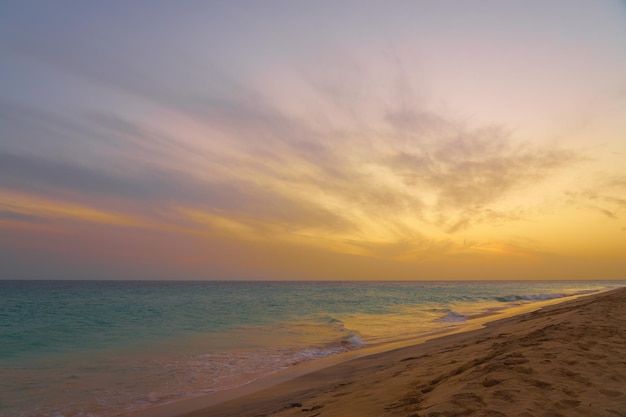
pixel 567 359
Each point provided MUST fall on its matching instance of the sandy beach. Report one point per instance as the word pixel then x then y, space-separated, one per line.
pixel 568 359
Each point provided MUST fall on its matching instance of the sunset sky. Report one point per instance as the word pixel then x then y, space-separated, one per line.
pixel 313 140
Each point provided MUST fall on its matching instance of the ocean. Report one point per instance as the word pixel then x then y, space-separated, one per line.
pixel 109 348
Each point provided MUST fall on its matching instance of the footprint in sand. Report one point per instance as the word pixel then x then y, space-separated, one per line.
pixel 490 382
pixel 610 393
pixel 540 384
pixel 563 404
pixel 506 395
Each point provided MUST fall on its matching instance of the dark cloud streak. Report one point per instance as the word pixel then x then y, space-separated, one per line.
pixel 21 217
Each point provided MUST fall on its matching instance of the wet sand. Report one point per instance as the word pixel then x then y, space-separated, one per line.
pixel 567 359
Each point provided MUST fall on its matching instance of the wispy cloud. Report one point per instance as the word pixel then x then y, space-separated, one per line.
pixel 472 168
pixel 378 188
pixel 351 162
pixel 603 194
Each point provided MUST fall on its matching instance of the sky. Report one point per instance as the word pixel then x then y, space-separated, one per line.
pixel 320 140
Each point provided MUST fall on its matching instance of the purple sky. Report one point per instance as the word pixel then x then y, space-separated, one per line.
pixel 312 140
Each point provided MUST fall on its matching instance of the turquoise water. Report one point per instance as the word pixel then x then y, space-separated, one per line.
pixel 106 348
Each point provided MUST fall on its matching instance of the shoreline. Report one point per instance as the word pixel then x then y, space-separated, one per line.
pixel 271 391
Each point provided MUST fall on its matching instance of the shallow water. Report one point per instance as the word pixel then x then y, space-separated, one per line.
pixel 100 349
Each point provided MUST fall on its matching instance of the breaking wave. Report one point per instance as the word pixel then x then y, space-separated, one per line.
pixel 452 317
pixel 541 297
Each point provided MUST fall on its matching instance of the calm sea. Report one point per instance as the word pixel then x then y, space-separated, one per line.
pixel 107 348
